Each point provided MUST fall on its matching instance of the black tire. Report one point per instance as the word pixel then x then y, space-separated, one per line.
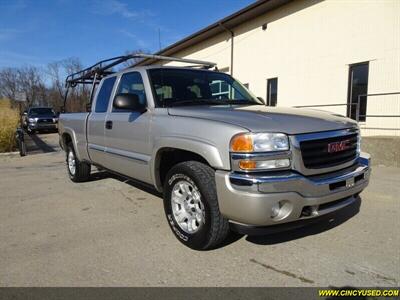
pixel 215 228
pixel 22 148
pixel 82 169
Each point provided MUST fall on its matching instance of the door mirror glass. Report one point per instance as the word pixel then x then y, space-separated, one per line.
pixel 129 102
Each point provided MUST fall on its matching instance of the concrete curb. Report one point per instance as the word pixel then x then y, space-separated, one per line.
pixel 9 153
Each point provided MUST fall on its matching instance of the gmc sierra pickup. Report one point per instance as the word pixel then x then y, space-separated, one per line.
pixel 221 158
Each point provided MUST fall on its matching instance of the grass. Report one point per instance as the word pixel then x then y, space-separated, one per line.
pixel 9 119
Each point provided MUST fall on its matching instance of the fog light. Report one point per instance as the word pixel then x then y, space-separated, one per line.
pixel 276 208
pixel 281 209
pixel 264 164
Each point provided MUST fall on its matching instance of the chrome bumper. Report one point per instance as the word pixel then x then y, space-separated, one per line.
pixel 249 199
pixel 38 126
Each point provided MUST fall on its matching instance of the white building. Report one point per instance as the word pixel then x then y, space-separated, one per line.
pixel 311 52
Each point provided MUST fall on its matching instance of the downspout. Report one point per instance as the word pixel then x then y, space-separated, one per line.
pixel 232 40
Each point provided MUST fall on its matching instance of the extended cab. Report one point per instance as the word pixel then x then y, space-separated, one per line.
pixel 221 158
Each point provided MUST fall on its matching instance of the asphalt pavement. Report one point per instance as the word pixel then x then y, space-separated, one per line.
pixel 112 232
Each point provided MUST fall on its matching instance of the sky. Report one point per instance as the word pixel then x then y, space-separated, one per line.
pixel 38 32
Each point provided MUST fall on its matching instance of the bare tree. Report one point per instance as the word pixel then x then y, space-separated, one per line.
pixel 9 83
pixel 30 82
pixel 78 96
pixel 27 81
pixel 54 72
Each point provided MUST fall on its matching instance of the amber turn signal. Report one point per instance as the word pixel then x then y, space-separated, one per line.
pixel 248 164
pixel 242 143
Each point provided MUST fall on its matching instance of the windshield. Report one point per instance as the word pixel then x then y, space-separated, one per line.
pixel 34 112
pixel 173 87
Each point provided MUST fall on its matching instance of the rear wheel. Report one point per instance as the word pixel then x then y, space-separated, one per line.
pixel 191 206
pixel 78 171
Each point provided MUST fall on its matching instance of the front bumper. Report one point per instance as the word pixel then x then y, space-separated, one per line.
pixel 43 126
pixel 250 199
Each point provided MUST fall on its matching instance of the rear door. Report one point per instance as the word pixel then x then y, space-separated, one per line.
pixel 96 121
pixel 127 133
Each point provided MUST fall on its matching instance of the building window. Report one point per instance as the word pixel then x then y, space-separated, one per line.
pixel 220 89
pixel 272 91
pixel 358 85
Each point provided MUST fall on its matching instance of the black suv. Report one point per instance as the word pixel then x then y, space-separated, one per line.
pixel 40 118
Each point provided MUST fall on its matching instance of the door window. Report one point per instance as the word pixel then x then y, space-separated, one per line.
pixel 103 97
pixel 131 83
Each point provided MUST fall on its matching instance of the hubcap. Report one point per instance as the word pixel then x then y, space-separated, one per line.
pixel 71 162
pixel 187 208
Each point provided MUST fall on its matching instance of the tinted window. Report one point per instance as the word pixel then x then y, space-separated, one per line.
pixel 42 111
pixel 182 86
pixel 358 86
pixel 272 91
pixel 132 83
pixel 104 95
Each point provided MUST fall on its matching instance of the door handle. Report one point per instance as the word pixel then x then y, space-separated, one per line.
pixel 109 124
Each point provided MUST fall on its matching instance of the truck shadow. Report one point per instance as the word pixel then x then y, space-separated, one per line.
pixel 102 174
pixel 333 221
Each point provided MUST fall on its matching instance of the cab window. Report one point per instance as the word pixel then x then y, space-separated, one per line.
pixel 103 97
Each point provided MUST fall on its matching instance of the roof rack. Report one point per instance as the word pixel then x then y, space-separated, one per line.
pixel 103 68
pixel 93 74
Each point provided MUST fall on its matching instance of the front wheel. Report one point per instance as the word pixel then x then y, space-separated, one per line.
pixel 191 206
pixel 78 171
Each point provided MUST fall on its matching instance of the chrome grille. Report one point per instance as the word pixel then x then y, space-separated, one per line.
pixel 327 152
pixel 45 121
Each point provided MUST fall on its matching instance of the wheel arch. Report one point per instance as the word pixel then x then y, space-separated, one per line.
pixel 169 154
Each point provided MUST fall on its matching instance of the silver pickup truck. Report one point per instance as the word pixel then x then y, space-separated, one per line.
pixel 220 157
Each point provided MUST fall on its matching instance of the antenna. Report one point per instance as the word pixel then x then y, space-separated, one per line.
pixel 162 70
pixel 159 39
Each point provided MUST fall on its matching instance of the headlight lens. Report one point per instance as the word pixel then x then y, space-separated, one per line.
pixel 259 142
pixel 32 120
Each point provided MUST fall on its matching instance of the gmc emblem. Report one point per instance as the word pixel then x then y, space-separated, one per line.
pixel 338 146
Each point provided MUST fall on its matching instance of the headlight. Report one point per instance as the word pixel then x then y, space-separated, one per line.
pixel 55 120
pixel 259 142
pixel 32 120
pixel 260 152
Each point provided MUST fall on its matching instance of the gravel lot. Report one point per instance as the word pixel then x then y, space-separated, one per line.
pixel 112 232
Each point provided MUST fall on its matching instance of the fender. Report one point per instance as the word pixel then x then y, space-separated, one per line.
pixel 203 148
pixel 80 147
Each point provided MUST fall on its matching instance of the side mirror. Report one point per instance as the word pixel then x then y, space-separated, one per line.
pixel 129 102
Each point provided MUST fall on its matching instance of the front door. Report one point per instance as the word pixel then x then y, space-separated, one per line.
pixel 127 133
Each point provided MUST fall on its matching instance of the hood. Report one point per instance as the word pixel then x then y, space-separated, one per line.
pixel 258 118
